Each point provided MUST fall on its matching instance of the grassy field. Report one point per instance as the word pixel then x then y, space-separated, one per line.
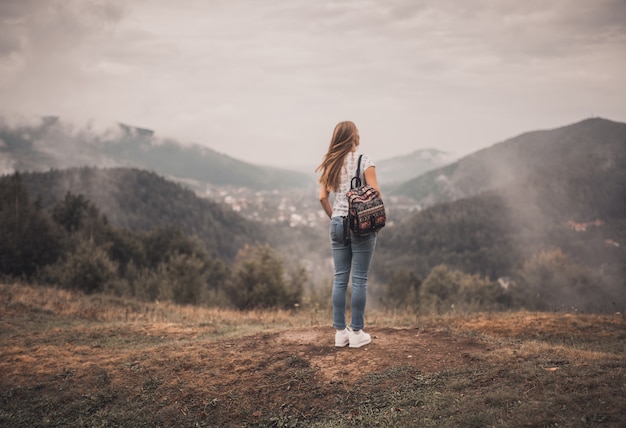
pixel 94 361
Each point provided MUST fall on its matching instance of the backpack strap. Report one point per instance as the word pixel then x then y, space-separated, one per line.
pixel 358 168
pixel 356 180
pixel 364 180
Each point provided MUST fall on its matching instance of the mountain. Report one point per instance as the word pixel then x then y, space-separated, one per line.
pixel 516 157
pixel 139 200
pixel 555 224
pixel 52 144
pixel 404 168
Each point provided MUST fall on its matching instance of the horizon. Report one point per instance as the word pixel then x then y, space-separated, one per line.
pixel 99 130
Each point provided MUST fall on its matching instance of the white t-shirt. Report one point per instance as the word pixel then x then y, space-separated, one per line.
pixel 348 171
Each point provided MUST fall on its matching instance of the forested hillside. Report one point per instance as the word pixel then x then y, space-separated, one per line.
pixel 556 233
pixel 50 143
pixel 164 243
pixel 515 158
pixel 140 201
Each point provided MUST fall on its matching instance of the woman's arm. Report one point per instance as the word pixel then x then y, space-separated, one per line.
pixel 370 179
pixel 325 201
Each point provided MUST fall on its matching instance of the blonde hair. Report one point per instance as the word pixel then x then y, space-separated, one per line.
pixel 345 138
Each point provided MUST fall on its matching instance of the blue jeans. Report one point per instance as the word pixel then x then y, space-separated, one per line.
pixel 356 257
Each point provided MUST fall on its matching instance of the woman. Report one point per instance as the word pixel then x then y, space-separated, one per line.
pixel 337 170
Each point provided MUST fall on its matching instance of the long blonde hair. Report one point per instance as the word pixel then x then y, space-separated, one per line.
pixel 345 139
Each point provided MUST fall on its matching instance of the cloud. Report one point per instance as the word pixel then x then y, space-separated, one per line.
pixel 58 24
pixel 281 73
pixel 49 44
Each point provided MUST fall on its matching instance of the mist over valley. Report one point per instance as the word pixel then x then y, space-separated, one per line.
pixel 537 221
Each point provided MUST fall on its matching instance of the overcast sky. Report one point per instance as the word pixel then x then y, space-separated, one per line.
pixel 265 81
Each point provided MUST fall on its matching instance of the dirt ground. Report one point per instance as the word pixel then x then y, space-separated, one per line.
pixel 69 362
pixel 217 381
pixel 427 351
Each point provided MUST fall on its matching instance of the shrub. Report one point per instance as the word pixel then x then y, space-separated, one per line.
pixel 184 279
pixel 444 290
pixel 259 281
pixel 550 280
pixel 88 269
pixel 402 289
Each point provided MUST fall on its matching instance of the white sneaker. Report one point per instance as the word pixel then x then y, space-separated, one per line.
pixel 359 338
pixel 341 338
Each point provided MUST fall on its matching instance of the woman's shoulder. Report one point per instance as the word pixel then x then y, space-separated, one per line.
pixel 366 161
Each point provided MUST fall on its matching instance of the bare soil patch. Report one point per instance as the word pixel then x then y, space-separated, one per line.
pixel 425 350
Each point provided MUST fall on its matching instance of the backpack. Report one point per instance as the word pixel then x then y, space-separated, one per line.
pixel 366 211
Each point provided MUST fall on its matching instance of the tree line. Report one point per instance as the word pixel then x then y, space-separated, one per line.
pixel 71 244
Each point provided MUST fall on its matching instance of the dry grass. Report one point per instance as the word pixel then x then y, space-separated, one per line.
pixel 101 308
pixel 73 360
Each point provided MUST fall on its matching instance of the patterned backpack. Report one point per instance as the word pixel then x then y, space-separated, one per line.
pixel 366 212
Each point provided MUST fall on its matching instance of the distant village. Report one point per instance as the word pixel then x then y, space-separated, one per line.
pixel 295 208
